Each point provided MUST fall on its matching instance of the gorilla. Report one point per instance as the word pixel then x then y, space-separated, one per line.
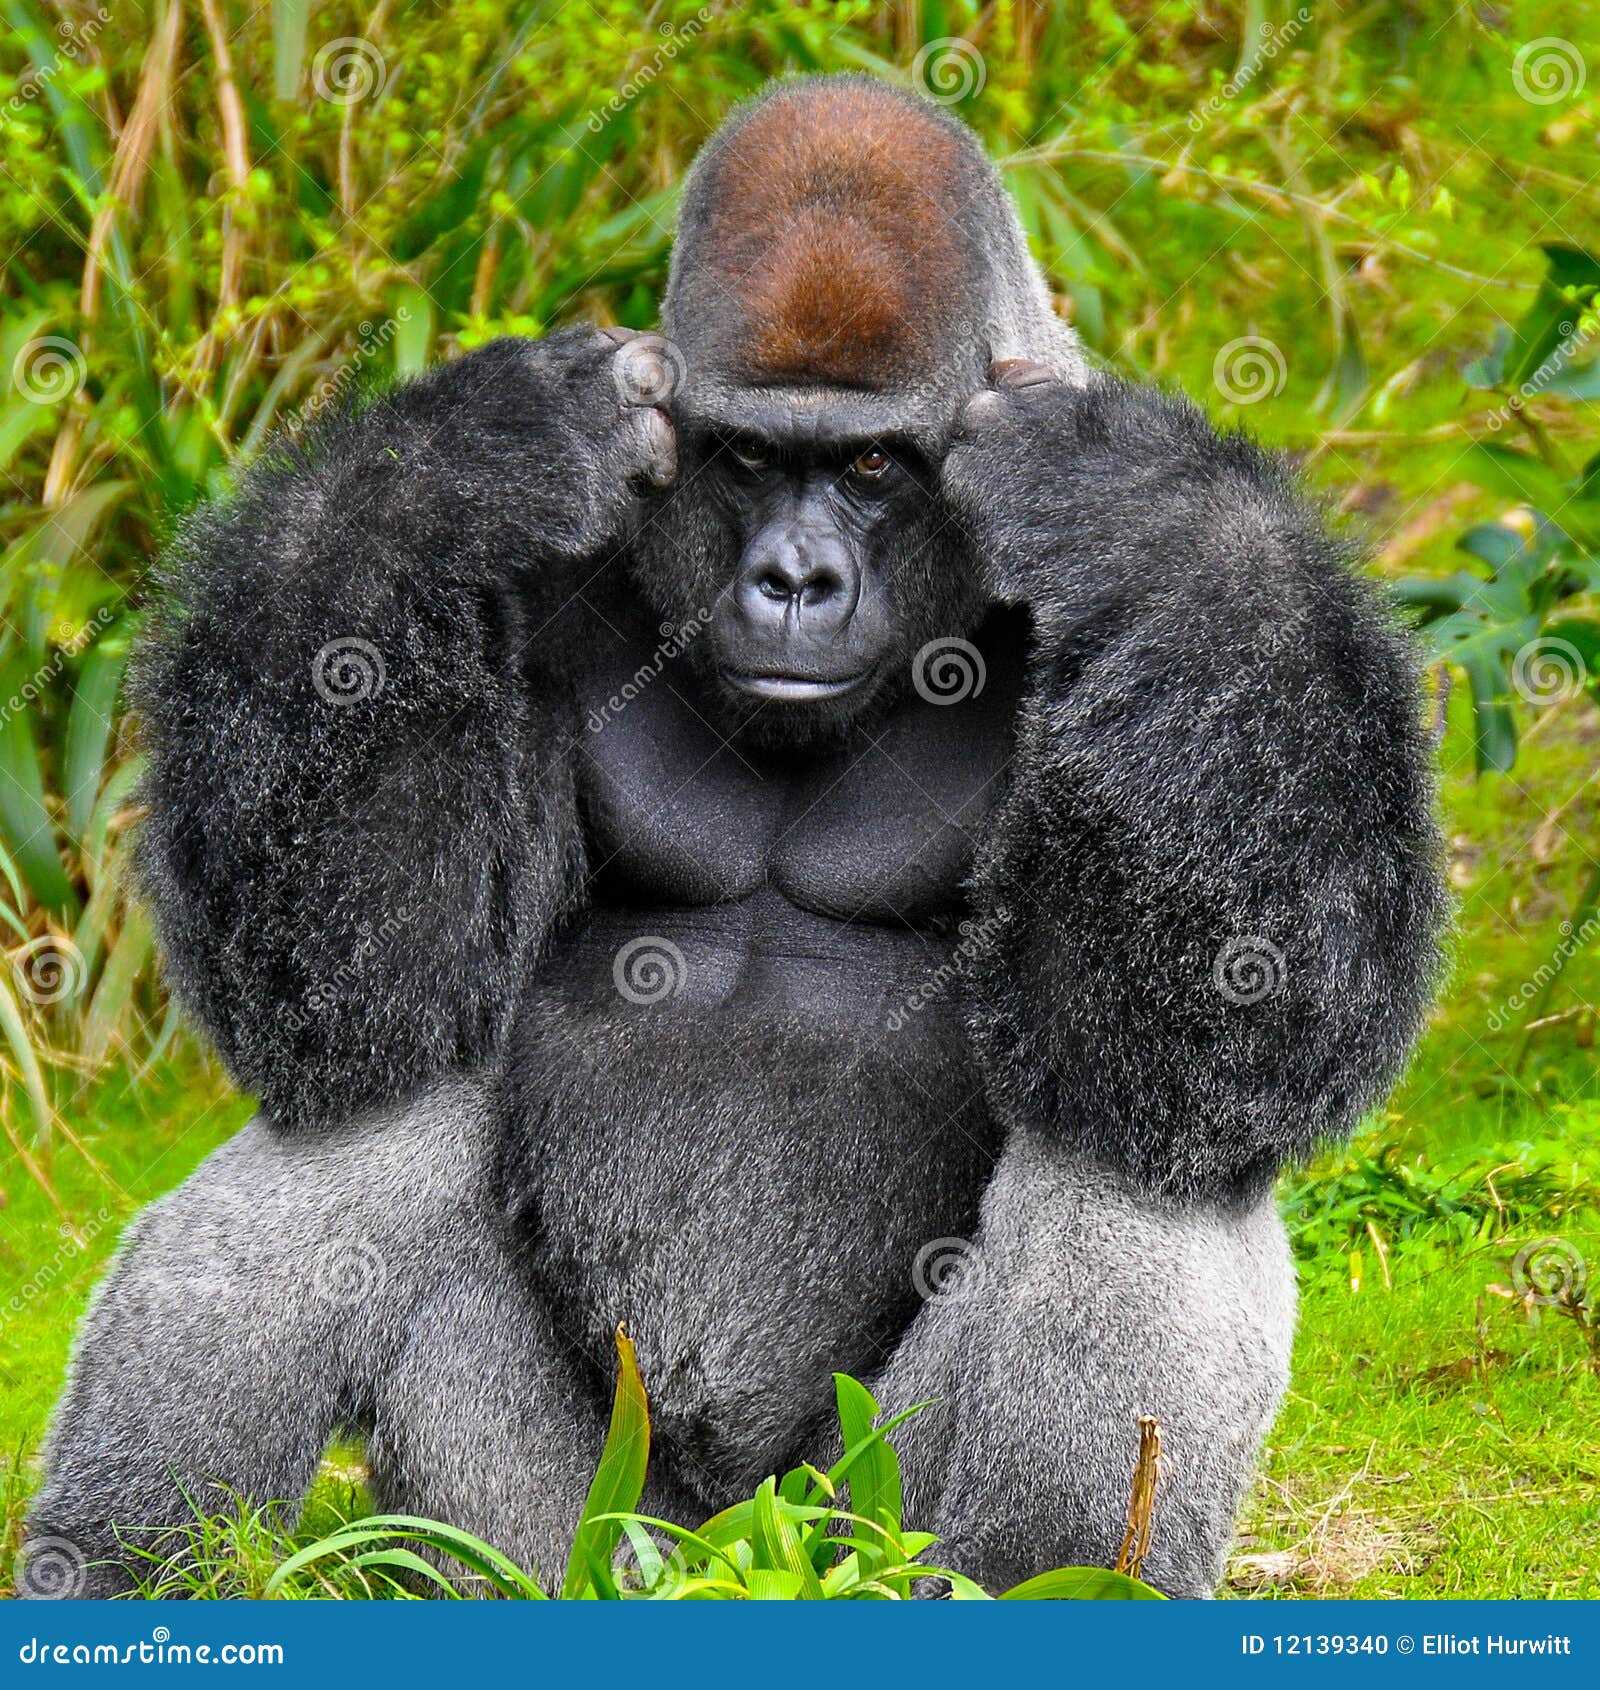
pixel 834 835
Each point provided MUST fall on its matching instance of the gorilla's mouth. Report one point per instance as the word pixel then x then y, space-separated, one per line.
pixel 788 688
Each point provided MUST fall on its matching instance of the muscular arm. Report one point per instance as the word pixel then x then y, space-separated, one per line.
pixel 1213 891
pixel 361 821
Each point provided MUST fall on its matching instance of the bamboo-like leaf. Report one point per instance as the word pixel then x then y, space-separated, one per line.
pixel 24 815
pixel 1081 1584
pixel 380 1532
pixel 97 849
pixel 406 1560
pixel 413 333
pixel 777 1541
pixel 89 725
pixel 14 1024
pixel 875 1492
pixel 115 992
pixel 774 1584
pixel 288 45
pixel 619 1479
pixel 703 1550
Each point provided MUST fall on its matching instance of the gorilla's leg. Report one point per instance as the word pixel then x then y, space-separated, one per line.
pixel 293 1288
pixel 484 1421
pixel 1079 1308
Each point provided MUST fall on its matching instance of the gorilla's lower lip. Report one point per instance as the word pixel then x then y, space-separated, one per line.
pixel 794 689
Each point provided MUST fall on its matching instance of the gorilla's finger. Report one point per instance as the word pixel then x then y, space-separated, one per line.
pixel 1020 372
pixel 658 446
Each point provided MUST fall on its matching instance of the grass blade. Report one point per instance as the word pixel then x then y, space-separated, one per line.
pixel 619 1479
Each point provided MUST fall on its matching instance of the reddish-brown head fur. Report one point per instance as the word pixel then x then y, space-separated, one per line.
pixel 830 237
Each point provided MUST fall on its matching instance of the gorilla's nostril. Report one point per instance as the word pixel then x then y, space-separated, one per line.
pixel 819 588
pixel 772 585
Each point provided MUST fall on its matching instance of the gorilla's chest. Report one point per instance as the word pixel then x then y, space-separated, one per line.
pixel 876 831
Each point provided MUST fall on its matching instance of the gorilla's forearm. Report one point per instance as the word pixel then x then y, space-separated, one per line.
pixel 1212 898
pixel 360 819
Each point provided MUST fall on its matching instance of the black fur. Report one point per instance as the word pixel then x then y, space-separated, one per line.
pixel 1219 745
pixel 1220 786
pixel 350 892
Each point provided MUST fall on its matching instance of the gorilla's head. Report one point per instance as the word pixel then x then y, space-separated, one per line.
pixel 847 271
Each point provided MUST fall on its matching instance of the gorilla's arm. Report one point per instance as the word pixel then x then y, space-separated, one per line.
pixel 361 822
pixel 1212 897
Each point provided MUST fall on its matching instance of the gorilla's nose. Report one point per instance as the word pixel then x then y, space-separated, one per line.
pixel 797 585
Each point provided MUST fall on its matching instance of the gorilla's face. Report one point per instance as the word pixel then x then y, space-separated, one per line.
pixel 818 568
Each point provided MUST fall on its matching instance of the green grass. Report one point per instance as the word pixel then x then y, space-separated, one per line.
pixel 149 1138
pixel 1439 1440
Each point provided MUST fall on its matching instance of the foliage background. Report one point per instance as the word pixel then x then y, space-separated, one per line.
pixel 216 217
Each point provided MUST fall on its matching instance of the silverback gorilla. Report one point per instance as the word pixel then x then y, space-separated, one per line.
pixel 713 832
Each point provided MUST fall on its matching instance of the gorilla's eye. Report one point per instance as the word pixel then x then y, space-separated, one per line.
pixel 749 455
pixel 872 465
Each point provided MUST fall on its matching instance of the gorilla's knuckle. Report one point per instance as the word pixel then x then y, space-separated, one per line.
pixel 984 412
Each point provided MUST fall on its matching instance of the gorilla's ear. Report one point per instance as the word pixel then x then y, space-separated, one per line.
pixel 847 256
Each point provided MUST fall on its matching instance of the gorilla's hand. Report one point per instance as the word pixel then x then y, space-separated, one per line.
pixel 604 395
pixel 644 370
pixel 1000 469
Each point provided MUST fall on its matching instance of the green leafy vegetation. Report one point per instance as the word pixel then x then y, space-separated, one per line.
pixel 796 1539
pixel 1366 233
